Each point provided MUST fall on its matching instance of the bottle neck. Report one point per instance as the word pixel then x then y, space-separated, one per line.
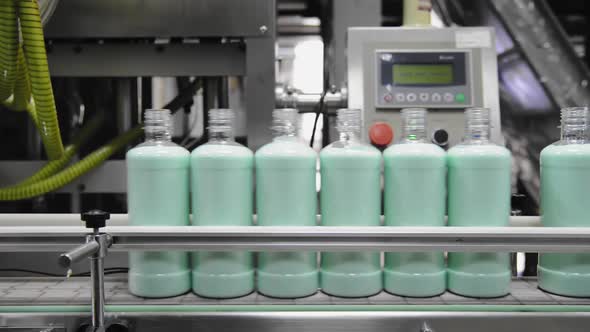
pixel 350 136
pixel 348 124
pixel 413 134
pixel 220 137
pixel 575 125
pixel 157 126
pixel 221 125
pixel 284 123
pixel 477 126
pixel 414 125
pixel 155 136
pixel 477 135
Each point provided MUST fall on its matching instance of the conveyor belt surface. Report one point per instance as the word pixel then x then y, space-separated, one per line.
pixel 74 291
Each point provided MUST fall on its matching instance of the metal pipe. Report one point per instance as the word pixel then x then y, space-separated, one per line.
pixel 306 102
pixel 68 219
pixel 77 254
pixel 98 299
pixel 318 238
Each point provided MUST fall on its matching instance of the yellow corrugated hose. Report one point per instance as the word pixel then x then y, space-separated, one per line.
pixel 24 70
pixel 24 73
pixel 69 174
pixel 8 47
pixel 70 151
pixel 38 70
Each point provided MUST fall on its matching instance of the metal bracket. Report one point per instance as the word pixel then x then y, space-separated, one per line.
pixel 96 249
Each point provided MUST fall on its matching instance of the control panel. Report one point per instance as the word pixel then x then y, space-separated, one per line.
pixel 444 70
pixel 434 79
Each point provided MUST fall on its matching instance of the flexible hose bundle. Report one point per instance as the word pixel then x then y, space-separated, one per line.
pixel 46 180
pixel 70 151
pixel 8 47
pixel 22 89
pixel 36 59
pixel 69 174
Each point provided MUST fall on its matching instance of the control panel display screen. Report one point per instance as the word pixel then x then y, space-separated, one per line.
pixel 420 74
pixel 423 79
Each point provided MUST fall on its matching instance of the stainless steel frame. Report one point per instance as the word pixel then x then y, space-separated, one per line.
pixel 218 38
pixel 310 320
pixel 319 238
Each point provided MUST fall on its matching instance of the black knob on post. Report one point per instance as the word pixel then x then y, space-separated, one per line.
pixel 95 218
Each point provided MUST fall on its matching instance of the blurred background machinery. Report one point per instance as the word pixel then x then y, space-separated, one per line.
pixel 113 60
pixel 110 60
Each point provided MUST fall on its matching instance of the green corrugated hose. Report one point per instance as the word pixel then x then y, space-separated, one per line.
pixel 8 47
pixel 70 151
pixel 24 70
pixel 51 182
pixel 22 89
pixel 38 70
pixel 69 174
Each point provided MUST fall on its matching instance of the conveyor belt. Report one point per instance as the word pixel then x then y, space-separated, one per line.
pixel 75 291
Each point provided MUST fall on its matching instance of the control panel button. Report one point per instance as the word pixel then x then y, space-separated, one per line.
pixel 424 96
pixel 449 97
pixel 400 97
pixel 381 133
pixel 440 137
pixel 460 97
pixel 388 98
pixel 436 97
pixel 411 97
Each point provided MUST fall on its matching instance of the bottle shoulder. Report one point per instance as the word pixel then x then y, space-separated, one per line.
pixel 415 149
pixel 560 148
pixel 337 149
pixel 468 150
pixel 566 155
pixel 166 149
pixel 227 150
pixel 286 148
pixel 156 157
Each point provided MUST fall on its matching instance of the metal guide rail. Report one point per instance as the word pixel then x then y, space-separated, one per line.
pixel 317 238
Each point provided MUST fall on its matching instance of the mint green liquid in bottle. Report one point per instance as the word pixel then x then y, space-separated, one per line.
pixel 479 196
pixel 158 195
pixel 415 195
pixel 350 196
pixel 286 196
pixel 565 184
pixel 222 189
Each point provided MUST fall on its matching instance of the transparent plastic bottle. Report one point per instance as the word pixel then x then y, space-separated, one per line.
pixel 415 195
pixel 479 196
pixel 350 196
pixel 286 196
pixel 565 184
pixel 158 195
pixel 222 190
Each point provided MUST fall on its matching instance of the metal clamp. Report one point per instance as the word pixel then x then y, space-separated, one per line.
pixel 95 248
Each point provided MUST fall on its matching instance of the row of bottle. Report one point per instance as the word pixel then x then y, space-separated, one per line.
pixel 415 195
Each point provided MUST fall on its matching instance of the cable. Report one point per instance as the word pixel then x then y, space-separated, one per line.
pixel 319 109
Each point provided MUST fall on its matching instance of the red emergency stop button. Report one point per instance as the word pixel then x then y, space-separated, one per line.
pixel 381 133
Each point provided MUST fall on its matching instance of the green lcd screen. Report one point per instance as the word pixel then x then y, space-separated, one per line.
pixel 422 74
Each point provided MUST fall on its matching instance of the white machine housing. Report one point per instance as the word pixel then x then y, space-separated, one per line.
pixel 445 70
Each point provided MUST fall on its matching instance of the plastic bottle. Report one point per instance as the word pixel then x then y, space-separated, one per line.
pixel 415 195
pixel 222 189
pixel 565 184
pixel 350 196
pixel 158 195
pixel 479 196
pixel 286 196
